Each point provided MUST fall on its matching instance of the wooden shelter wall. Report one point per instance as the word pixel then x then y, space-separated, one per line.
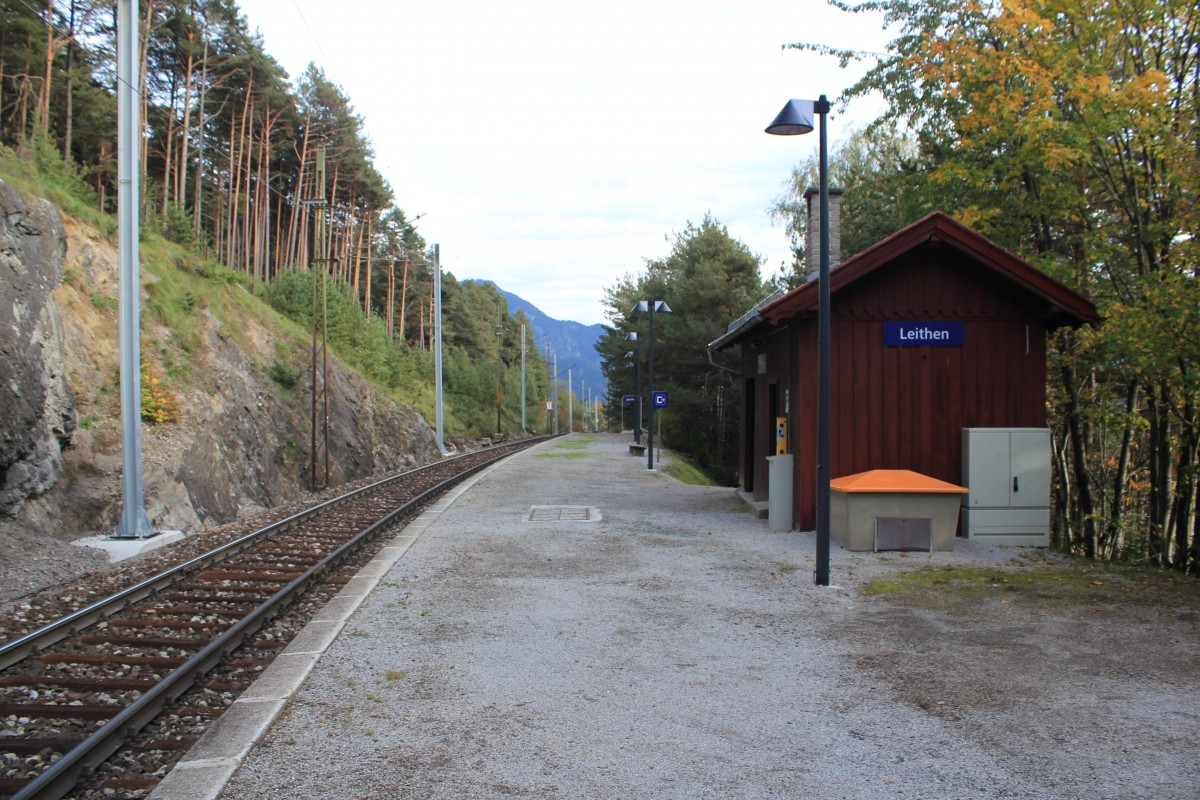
pixel 905 407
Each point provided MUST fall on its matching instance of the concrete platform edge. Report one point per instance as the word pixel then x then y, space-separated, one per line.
pixel 203 772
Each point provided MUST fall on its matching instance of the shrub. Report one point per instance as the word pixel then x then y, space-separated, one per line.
pixel 159 403
pixel 283 375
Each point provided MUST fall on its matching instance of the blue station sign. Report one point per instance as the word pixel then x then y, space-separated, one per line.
pixel 924 334
pixel 628 398
pixel 660 399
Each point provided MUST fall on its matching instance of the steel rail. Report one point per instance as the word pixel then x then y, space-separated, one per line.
pixel 62 776
pixel 22 647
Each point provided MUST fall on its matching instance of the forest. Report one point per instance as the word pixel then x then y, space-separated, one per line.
pixel 1066 132
pixel 268 176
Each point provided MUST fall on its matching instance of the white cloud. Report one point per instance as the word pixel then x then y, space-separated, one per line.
pixel 553 145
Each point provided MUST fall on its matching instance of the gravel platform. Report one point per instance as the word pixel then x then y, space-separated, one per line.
pixel 655 640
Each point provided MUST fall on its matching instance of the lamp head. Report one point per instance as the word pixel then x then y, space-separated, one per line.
pixel 640 307
pixel 796 118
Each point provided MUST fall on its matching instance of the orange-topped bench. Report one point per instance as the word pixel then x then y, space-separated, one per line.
pixel 898 499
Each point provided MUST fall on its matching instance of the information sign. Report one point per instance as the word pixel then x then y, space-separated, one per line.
pixel 924 334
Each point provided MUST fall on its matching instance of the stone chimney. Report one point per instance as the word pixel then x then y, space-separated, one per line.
pixel 813 241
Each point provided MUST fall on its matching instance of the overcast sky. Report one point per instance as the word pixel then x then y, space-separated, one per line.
pixel 554 145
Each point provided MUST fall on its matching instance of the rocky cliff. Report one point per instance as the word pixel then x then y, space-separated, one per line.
pixel 242 442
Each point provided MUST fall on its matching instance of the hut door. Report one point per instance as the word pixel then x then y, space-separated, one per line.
pixel 749 440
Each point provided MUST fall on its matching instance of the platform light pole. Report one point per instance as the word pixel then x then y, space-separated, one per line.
pixel 797 118
pixel 636 355
pixel 650 307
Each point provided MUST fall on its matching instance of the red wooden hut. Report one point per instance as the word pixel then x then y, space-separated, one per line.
pixel 934 329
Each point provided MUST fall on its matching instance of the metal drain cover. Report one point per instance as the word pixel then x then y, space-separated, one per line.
pixel 564 514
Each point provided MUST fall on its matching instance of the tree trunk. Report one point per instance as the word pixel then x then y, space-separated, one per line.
pixel 1185 487
pixel 198 201
pixel 299 209
pixel 248 170
pixel 367 294
pixel 277 258
pixel 144 47
pixel 169 147
pixel 237 156
pixel 356 259
pixel 43 111
pixel 188 88
pixel 69 83
pixel 1083 488
pixel 1062 527
pixel 1160 464
pixel 1112 534
pixel 262 206
pixel 391 299
pixel 1194 562
pixel 403 296
pixel 329 243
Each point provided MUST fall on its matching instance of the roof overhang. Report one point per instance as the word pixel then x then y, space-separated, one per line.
pixel 745 323
pixel 1069 306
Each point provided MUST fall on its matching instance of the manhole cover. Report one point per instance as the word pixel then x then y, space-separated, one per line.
pixel 564 514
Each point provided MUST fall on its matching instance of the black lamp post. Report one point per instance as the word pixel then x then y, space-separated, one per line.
pixel 636 355
pixel 661 307
pixel 797 118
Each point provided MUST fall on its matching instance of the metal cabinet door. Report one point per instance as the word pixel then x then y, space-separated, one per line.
pixel 988 479
pixel 1029 463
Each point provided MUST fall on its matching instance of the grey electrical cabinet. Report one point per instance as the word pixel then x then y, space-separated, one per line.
pixel 1007 475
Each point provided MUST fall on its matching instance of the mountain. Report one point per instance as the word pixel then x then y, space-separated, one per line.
pixel 573 342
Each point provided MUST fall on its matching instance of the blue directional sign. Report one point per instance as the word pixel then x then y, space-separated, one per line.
pixel 628 398
pixel 659 399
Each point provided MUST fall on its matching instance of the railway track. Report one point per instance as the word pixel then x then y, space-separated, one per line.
pixel 102 702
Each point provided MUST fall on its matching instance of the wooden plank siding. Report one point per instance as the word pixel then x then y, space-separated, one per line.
pixel 905 407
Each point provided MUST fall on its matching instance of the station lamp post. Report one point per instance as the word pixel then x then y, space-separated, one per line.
pixel 642 307
pixel 797 118
pixel 636 355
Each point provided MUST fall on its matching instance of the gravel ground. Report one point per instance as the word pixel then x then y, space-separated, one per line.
pixel 677 648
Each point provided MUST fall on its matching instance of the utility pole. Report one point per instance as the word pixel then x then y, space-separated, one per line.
pixel 320 327
pixel 499 363
pixel 437 346
pixel 134 523
pixel 524 427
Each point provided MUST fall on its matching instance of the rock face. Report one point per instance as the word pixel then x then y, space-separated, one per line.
pixel 242 445
pixel 37 410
